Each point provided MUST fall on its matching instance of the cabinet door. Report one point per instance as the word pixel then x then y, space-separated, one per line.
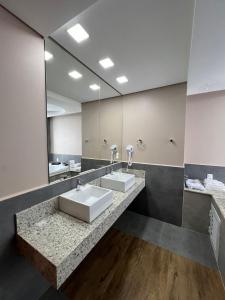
pixel 215 230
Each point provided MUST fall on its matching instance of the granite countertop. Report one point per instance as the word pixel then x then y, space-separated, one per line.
pixel 218 199
pixel 56 242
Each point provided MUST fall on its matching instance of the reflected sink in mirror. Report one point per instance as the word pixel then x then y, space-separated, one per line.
pixel 87 203
pixel 118 181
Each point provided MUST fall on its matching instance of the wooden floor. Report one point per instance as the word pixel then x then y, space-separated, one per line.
pixel 124 267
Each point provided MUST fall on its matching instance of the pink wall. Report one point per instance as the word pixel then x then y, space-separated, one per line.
pixel 23 143
pixel 155 116
pixel 205 129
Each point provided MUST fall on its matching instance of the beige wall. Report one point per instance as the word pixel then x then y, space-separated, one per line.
pixel 65 134
pixel 90 129
pixel 155 116
pixel 23 146
pixel 111 126
pixel 102 120
pixel 205 129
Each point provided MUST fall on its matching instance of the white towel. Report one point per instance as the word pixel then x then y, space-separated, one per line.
pixel 194 184
pixel 214 185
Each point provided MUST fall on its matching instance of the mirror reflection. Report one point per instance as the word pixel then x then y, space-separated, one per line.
pixel 82 134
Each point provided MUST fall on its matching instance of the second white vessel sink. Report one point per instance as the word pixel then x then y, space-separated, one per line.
pixel 118 181
pixel 87 203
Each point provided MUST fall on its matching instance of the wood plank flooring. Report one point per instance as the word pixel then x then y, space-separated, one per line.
pixel 125 267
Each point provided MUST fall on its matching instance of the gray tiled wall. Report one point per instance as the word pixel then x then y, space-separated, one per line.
pixel 196 209
pixel 18 279
pixel 64 157
pixel 201 171
pixel 163 196
pixel 88 164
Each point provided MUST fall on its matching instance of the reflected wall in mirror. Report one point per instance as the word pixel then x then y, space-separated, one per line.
pixel 109 115
pixel 78 122
pixel 111 120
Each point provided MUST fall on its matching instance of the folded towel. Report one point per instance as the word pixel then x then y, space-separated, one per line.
pixel 75 169
pixel 214 185
pixel 194 184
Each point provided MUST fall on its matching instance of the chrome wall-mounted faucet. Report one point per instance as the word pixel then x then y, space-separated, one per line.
pixel 78 184
pixel 109 170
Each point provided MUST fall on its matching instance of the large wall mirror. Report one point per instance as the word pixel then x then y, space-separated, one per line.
pixel 84 116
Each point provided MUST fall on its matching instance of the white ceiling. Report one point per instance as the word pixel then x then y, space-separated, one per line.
pixel 148 40
pixel 45 16
pixel 58 80
pixel 58 105
pixel 207 55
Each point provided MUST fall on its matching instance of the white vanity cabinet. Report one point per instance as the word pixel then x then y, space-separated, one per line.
pixel 214 230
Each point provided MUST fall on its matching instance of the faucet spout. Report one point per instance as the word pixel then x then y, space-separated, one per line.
pixel 78 184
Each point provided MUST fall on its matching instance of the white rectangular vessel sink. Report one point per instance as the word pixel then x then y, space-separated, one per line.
pixel 87 203
pixel 118 181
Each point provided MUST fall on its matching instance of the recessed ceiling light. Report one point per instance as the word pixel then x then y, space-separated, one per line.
pixel 122 79
pixel 74 74
pixel 78 33
pixel 94 87
pixel 106 63
pixel 48 55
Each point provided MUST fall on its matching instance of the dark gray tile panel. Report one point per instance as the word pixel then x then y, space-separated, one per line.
pixel 196 209
pixel 201 171
pixel 19 280
pixel 88 164
pixel 163 196
pixel 53 294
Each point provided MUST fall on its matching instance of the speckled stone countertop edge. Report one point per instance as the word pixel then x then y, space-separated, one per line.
pixel 73 259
